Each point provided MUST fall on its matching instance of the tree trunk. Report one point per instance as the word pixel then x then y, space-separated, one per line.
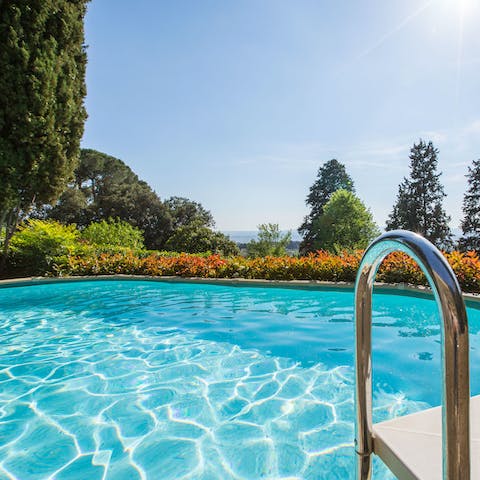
pixel 11 222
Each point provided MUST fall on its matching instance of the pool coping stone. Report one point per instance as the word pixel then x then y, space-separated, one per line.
pixel 393 288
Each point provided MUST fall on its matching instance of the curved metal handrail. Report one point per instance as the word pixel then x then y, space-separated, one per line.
pixel 455 351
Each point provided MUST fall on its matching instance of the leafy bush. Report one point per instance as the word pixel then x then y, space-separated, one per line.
pixel 270 241
pixel 396 268
pixel 113 233
pixel 48 247
pixel 39 244
pixel 344 224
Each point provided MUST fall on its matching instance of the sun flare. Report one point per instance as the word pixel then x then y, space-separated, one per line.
pixel 463 6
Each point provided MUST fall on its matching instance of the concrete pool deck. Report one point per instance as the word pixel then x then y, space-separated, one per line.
pixel 411 445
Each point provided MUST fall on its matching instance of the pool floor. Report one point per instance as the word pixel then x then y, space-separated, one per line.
pixel 95 385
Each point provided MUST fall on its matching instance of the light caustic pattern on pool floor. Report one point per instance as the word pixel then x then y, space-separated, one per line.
pixel 85 400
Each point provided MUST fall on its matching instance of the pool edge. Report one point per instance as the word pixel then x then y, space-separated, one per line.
pixel 391 288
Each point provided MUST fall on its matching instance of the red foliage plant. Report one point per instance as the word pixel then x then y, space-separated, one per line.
pixel 324 266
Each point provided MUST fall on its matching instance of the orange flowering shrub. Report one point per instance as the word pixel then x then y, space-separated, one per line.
pixel 467 269
pixel 400 268
pixel 396 268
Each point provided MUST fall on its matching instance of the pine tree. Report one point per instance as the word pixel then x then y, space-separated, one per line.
pixel 332 176
pixel 42 87
pixel 419 202
pixel 105 187
pixel 471 210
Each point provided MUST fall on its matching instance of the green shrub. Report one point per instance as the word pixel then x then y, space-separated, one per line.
pixel 113 233
pixel 39 244
pixel 270 242
pixel 345 224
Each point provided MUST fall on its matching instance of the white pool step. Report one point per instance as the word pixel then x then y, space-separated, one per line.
pixel 411 446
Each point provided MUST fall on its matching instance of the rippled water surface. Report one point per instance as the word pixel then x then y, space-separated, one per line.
pixel 125 380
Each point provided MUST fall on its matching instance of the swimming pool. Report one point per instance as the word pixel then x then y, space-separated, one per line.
pixel 136 379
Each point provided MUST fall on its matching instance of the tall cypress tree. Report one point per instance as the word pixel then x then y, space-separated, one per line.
pixel 332 176
pixel 471 210
pixel 419 202
pixel 42 88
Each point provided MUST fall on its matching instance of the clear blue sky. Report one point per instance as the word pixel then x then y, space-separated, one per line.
pixel 236 103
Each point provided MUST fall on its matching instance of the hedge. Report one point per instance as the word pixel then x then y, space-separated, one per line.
pixel 396 268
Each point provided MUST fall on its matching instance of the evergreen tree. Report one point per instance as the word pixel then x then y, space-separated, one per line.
pixel 345 224
pixel 332 176
pixel 42 87
pixel 471 210
pixel 185 212
pixel 419 202
pixel 105 187
pixel 198 238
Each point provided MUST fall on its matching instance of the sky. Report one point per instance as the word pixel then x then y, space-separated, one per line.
pixel 237 103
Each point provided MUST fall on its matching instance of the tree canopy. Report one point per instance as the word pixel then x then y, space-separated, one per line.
pixel 184 211
pixel 105 187
pixel 419 202
pixel 345 224
pixel 332 176
pixel 270 241
pixel 470 239
pixel 198 238
pixel 42 115
pixel 192 229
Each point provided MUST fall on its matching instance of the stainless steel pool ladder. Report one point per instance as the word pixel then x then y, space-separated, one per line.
pixel 455 408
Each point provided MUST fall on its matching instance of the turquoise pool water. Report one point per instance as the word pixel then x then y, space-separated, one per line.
pixel 125 380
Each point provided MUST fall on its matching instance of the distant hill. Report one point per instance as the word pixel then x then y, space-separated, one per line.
pixel 244 236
